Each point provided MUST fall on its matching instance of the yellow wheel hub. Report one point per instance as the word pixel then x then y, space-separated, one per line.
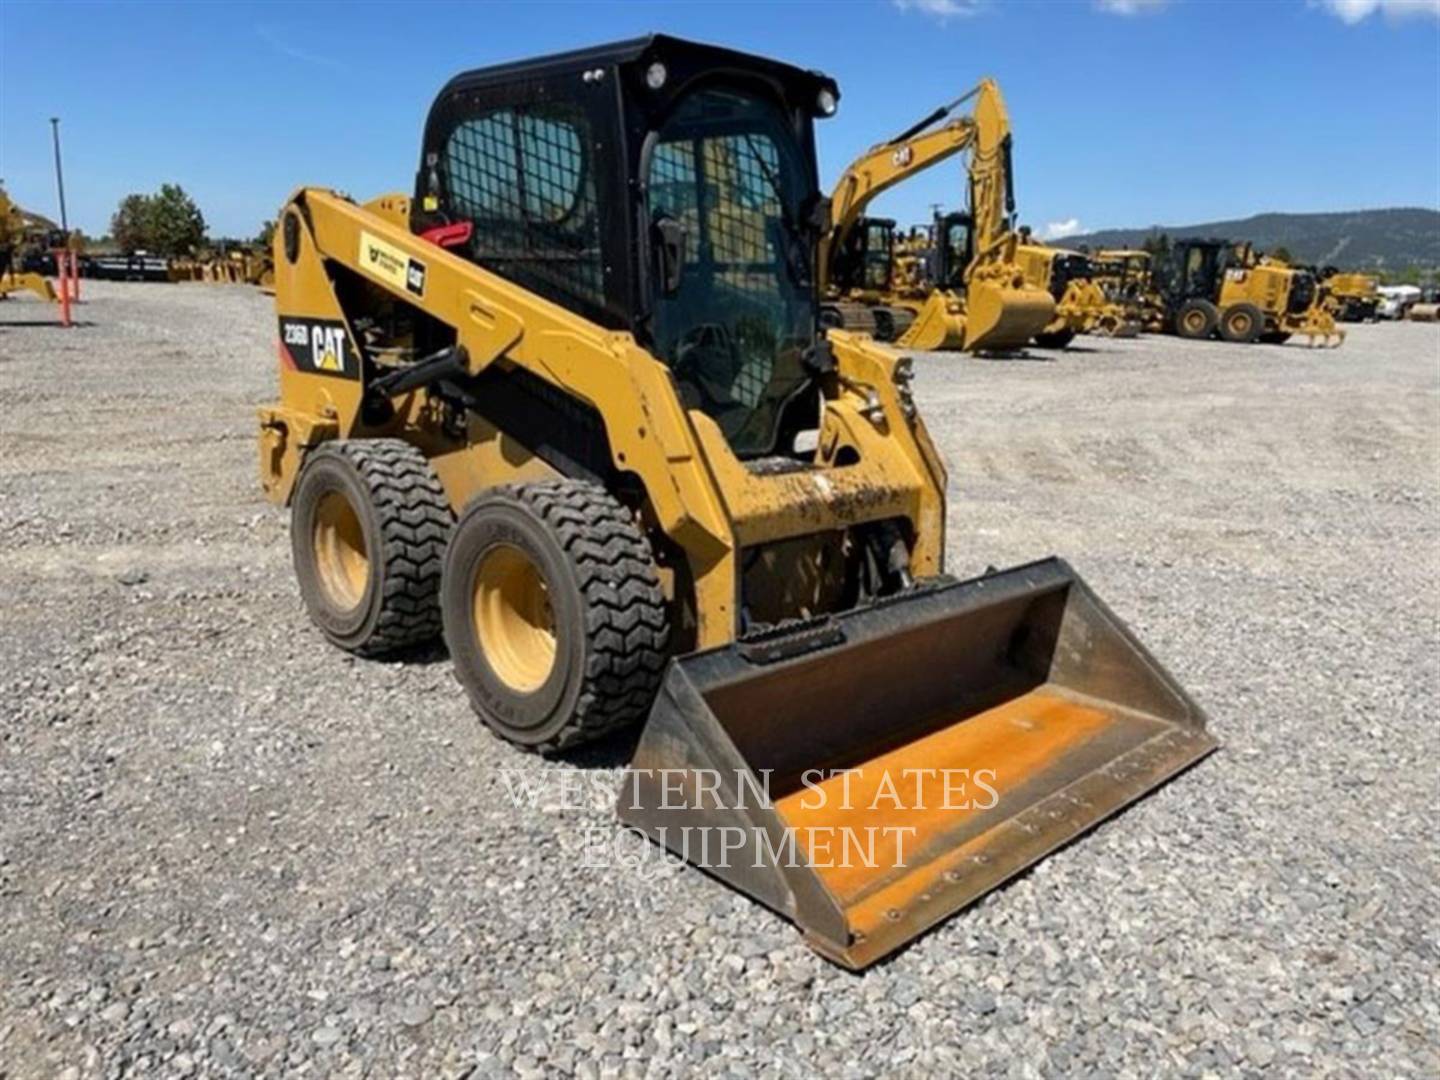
pixel 513 619
pixel 340 557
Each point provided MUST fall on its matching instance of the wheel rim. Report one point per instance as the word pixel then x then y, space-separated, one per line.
pixel 513 618
pixel 1240 324
pixel 341 561
pixel 1194 321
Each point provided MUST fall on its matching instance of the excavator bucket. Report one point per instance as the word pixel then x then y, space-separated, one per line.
pixel 991 317
pixel 939 324
pixel 869 774
pixel 27 282
pixel 1001 316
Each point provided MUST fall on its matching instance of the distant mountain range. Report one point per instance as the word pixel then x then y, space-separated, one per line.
pixel 1356 239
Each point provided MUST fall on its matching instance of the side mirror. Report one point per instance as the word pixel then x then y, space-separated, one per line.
pixel 668 235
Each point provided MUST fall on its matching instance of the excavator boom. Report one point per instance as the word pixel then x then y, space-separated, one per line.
pixel 992 309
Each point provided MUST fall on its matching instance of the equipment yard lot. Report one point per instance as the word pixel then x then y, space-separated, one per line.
pixel 227 847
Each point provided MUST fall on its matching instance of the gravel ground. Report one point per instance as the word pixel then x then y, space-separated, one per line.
pixel 227 848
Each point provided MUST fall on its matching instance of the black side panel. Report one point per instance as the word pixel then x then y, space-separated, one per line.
pixel 565 433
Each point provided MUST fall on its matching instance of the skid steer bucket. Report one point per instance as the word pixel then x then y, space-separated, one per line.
pixel 870 774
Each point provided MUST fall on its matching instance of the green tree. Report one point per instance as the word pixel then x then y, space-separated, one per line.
pixel 176 225
pixel 1157 243
pixel 166 223
pixel 266 236
pixel 1283 254
pixel 129 223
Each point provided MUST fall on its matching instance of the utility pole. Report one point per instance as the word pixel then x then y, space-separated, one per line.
pixel 59 175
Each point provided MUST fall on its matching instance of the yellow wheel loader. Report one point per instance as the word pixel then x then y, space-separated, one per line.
pixel 571 406
pixel 1215 288
pixel 1081 306
pixel 987 306
pixel 15 227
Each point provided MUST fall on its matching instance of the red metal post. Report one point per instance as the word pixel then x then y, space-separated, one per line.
pixel 62 279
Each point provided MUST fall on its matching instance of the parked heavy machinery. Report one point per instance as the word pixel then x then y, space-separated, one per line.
pixel 1211 287
pixel 16 228
pixel 1351 297
pixel 1081 306
pixel 237 266
pixel 866 293
pixel 1126 278
pixel 989 306
pixel 572 406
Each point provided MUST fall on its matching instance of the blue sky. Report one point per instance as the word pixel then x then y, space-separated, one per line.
pixel 1126 112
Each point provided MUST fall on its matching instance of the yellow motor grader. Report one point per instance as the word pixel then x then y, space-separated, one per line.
pixel 986 306
pixel 570 405
pixel 1211 287
pixel 1081 306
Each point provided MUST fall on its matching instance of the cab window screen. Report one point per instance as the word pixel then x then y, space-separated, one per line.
pixel 726 169
pixel 523 176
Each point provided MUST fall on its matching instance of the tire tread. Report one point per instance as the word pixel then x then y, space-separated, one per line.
pixel 415 519
pixel 624 609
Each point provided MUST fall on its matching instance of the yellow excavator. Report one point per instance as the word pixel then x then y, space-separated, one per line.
pixel 16 228
pixel 569 405
pixel 987 306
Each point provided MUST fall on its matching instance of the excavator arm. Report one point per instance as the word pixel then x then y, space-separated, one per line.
pixel 992 182
pixel 998 311
pixel 887 164
pixel 985 131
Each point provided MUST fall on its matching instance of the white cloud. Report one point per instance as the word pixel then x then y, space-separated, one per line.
pixel 1058 230
pixel 1130 7
pixel 1351 12
pixel 942 9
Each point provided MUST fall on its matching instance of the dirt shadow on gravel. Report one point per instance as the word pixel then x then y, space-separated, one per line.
pixel 433 652
pixel 1025 356
pixel 614 751
pixel 17 324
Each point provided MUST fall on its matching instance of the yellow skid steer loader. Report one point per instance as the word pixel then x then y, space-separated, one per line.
pixel 571 405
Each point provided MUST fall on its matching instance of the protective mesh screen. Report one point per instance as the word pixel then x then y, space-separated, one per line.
pixel 523 176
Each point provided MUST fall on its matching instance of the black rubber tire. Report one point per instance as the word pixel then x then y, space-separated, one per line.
pixel 1196 319
pixel 611 624
pixel 1274 337
pixel 1242 323
pixel 404 517
pixel 1056 339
